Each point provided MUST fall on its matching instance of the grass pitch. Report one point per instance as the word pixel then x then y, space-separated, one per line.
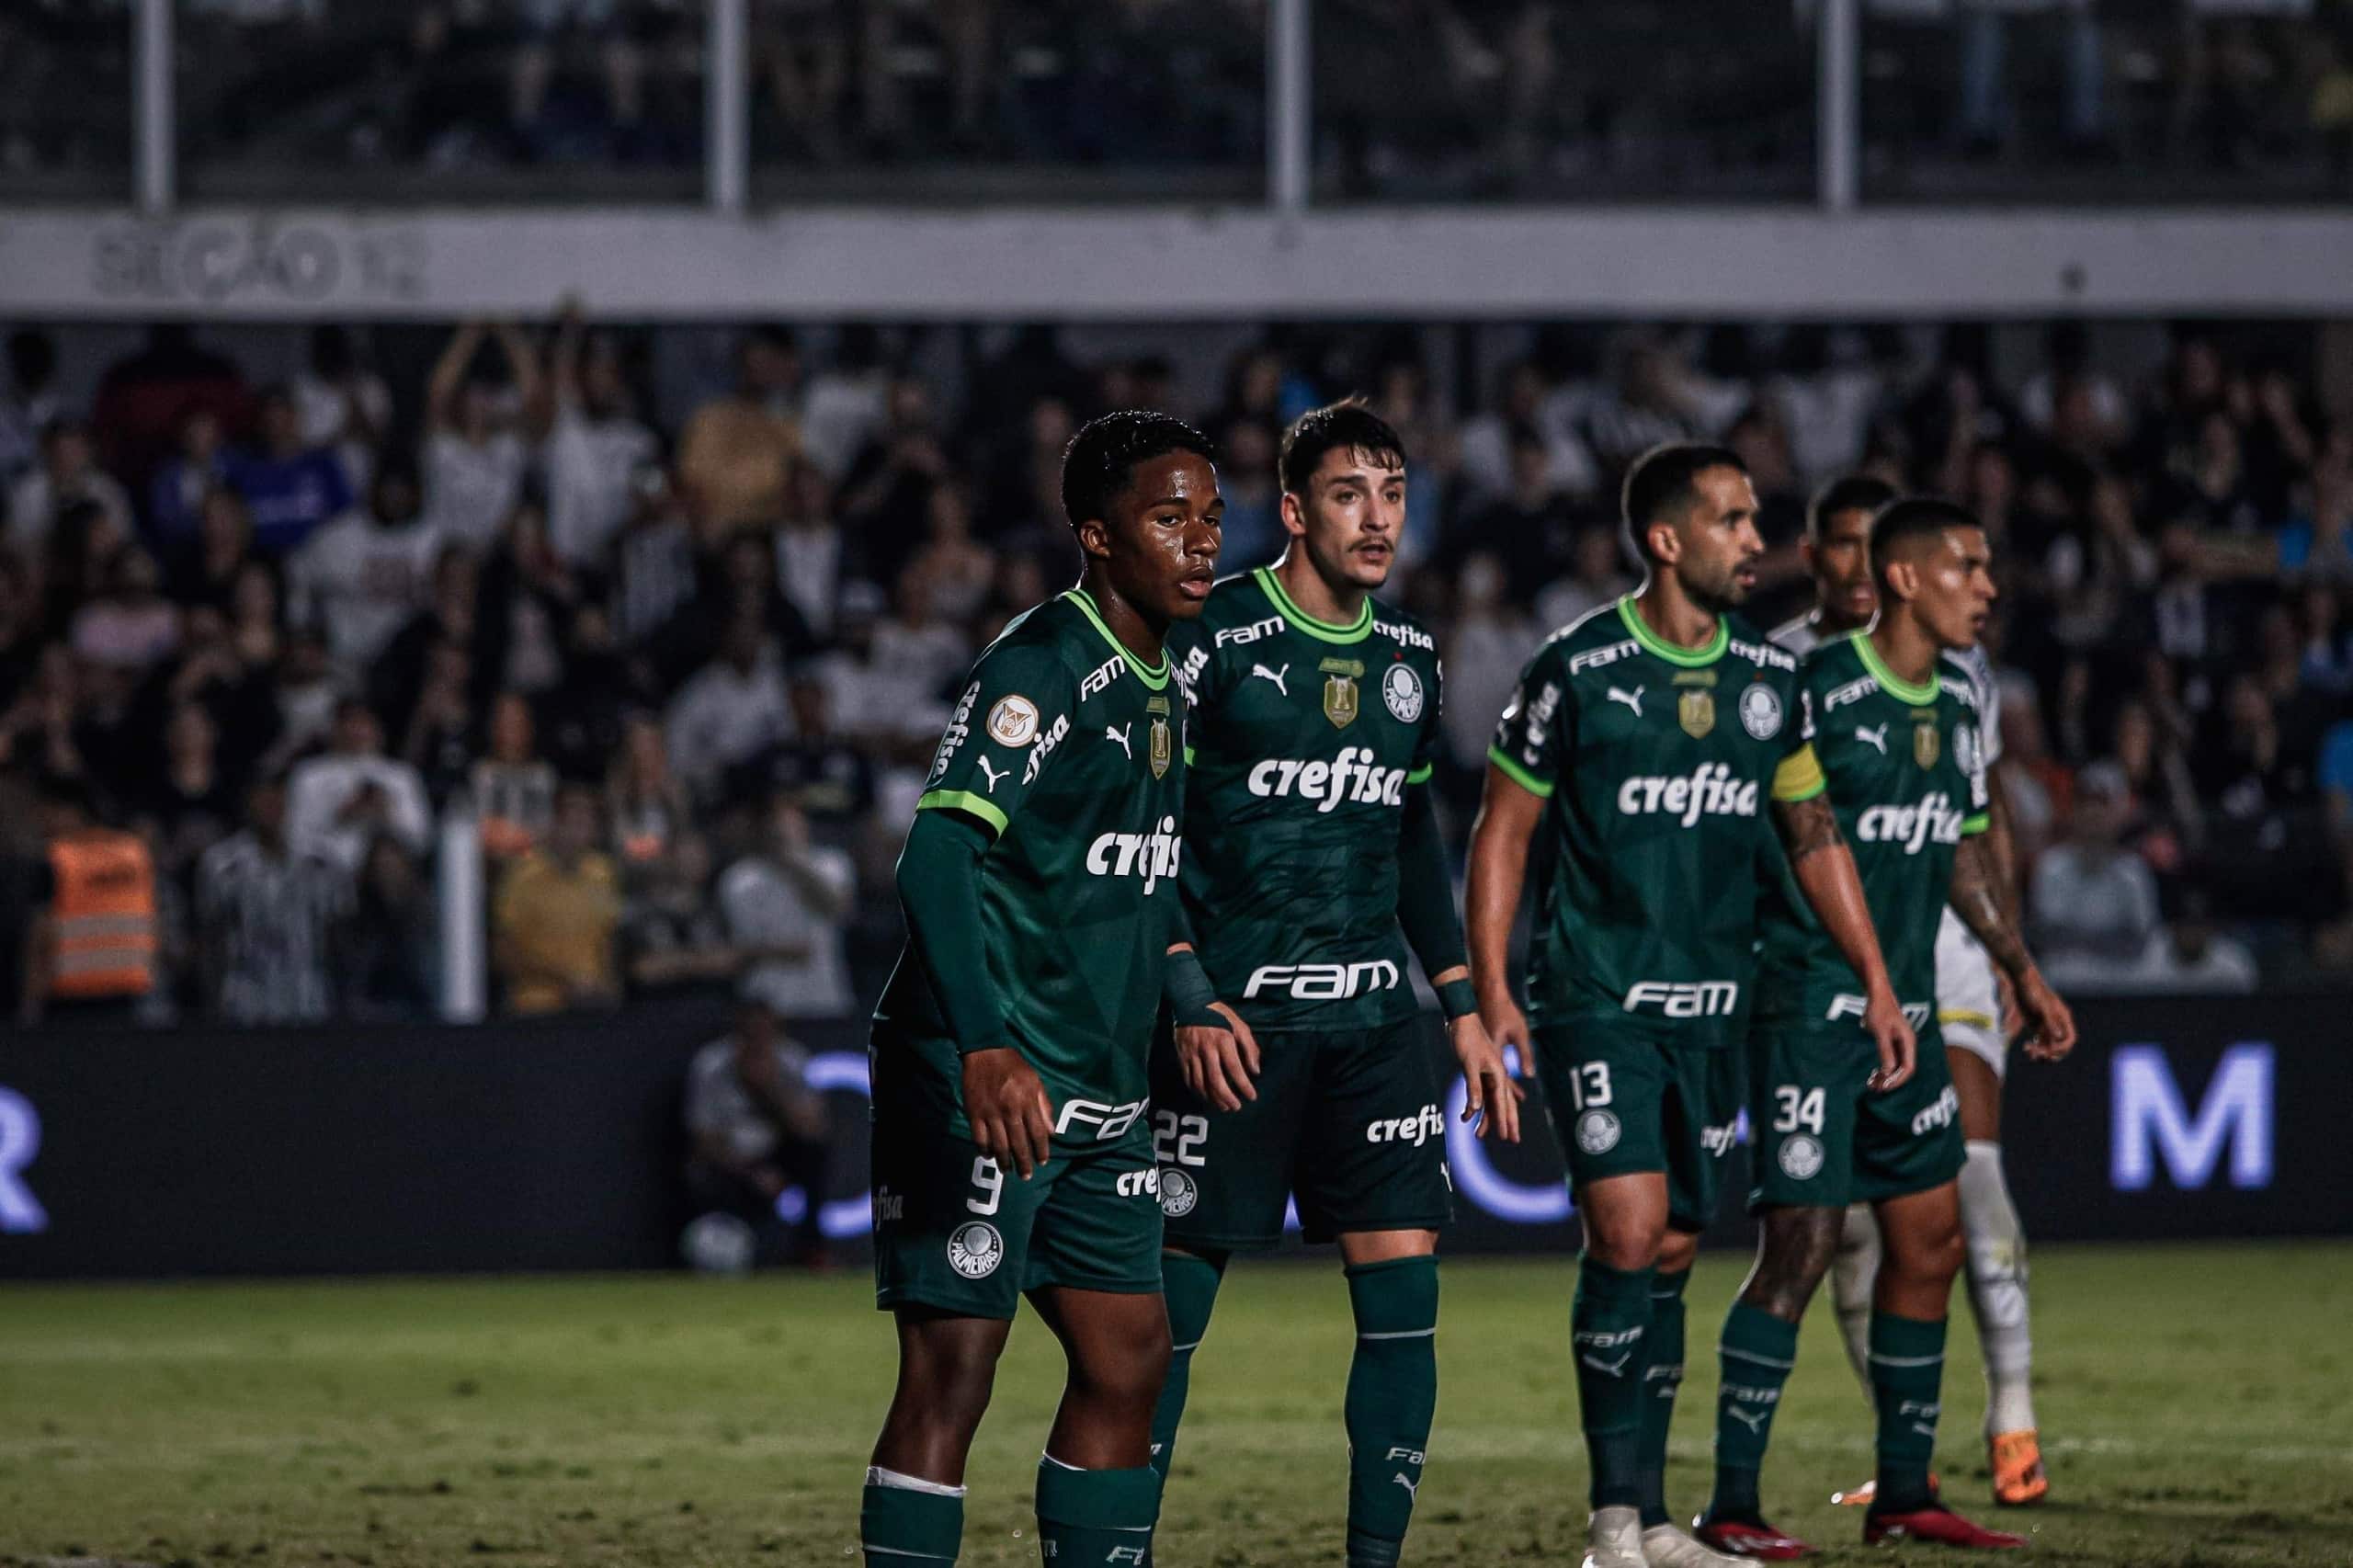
pixel 2197 1406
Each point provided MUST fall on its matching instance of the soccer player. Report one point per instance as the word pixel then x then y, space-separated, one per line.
pixel 1011 1155
pixel 1899 745
pixel 1313 848
pixel 1976 1020
pixel 1650 739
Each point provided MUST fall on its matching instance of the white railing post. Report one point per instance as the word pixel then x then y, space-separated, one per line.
pixel 727 109
pixel 1839 105
pixel 1290 107
pixel 151 112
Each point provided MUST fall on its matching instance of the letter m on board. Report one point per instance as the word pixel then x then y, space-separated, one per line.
pixel 2152 1121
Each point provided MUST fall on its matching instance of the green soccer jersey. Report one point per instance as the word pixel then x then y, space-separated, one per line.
pixel 1072 752
pixel 1658 767
pixel 1304 738
pixel 1907 780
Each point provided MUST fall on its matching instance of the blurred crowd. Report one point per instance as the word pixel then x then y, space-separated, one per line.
pixel 678 669
pixel 1535 99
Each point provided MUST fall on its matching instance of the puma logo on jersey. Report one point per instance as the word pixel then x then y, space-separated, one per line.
pixel 1608 1368
pixel 1632 699
pixel 1877 738
pixel 1754 1423
pixel 1261 672
pixel 992 774
pixel 1413 1488
pixel 1120 733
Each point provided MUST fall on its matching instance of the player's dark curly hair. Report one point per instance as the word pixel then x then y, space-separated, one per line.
pixel 1104 455
pixel 1344 426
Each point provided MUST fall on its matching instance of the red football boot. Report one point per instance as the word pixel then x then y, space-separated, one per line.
pixel 1737 1538
pixel 1939 1525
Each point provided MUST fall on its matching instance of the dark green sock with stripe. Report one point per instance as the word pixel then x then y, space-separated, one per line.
pixel 1190 1285
pixel 1662 1380
pixel 1756 1354
pixel 1607 1323
pixel 903 1522
pixel 1392 1394
pixel 1907 1383
pixel 1095 1515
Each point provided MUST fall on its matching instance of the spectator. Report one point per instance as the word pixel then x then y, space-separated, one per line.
pixel 888 490
pixel 1253 533
pixel 1486 441
pixel 144 399
pixel 513 788
pixel 268 914
pixel 30 403
pixel 755 1130
pixel 438 739
pixel 475 456
pixel 132 627
pixel 647 804
pixel 1489 642
pixel 339 801
pixel 68 472
pixel 582 719
pixel 1528 530
pixel 819 767
pixel 344 408
pixel 449 618
pixel 200 465
pixel 656 559
pixel 556 917
pixel 528 599
pixel 308 695
pixel 93 954
pixel 849 401
pixel 291 489
pixel 1597 577
pixel 594 446
pixel 2190 957
pixel 363 576
pixel 193 805
pixel 812 559
pixel 389 960
pixel 203 569
pixel 731 708
pixel 736 452
pixel 785 904
pixel 955 572
pixel 676 941
pixel 2095 902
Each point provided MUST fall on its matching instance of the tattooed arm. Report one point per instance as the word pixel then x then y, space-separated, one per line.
pixel 1989 909
pixel 1825 869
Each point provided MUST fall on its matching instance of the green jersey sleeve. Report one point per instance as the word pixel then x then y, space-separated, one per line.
pixel 1535 733
pixel 1014 711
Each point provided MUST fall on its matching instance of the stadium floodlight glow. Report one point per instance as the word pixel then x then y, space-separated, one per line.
pixel 21 1213
pixel 2147 1117
pixel 1475 1175
pixel 841 1218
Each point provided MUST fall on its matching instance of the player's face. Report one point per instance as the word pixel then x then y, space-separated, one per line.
pixel 1956 588
pixel 1159 545
pixel 1351 517
pixel 1841 562
pixel 1720 544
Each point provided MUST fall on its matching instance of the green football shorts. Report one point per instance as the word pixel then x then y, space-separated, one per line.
pixel 1351 1124
pixel 954 1230
pixel 1823 1139
pixel 1624 1101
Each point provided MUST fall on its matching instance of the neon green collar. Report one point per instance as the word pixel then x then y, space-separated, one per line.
pixel 1689 658
pixel 1322 631
pixel 1889 682
pixel 1154 678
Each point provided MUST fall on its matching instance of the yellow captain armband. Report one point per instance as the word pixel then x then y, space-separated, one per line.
pixel 1800 777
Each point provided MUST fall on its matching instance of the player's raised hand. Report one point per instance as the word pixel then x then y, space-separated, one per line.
pixel 1491 1097
pixel 1218 1063
pixel 2049 1022
pixel 1899 1049
pixel 1013 1121
pixel 1505 1025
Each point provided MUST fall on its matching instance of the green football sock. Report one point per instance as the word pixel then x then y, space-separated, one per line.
pixel 904 1521
pixel 1095 1515
pixel 1756 1354
pixel 1191 1284
pixel 1907 1378
pixel 1392 1392
pixel 1662 1380
pixel 1607 1325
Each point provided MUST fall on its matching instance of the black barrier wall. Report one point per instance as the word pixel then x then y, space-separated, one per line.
pixel 556 1145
